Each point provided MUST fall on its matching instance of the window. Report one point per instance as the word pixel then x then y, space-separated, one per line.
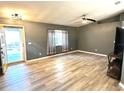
pixel 58 37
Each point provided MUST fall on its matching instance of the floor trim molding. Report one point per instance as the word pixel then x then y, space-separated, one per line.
pixel 64 54
pixel 121 85
pixel 92 53
pixel 50 56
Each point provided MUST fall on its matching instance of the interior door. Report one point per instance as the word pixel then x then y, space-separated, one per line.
pixel 3 50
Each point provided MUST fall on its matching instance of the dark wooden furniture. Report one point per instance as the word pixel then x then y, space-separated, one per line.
pixel 114 65
pixel 1 71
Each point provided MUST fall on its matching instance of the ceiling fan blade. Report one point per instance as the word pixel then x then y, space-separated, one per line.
pixel 91 19
pixel 75 19
pixel 77 22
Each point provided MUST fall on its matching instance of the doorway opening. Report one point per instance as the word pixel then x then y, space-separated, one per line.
pixel 14 38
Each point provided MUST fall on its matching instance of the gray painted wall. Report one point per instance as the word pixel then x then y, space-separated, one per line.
pixel 97 36
pixel 36 33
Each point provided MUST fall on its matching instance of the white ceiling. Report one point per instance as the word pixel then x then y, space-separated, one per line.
pixel 61 12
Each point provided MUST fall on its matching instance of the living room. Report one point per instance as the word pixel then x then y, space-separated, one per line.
pixel 61 45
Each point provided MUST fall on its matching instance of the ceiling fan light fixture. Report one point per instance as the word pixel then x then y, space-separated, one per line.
pixel 16 16
pixel 84 21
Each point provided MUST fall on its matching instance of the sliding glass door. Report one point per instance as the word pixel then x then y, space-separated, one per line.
pixel 14 43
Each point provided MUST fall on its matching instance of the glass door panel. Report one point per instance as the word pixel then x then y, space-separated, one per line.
pixel 14 43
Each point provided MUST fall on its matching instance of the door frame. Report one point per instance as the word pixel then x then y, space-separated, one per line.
pixel 23 39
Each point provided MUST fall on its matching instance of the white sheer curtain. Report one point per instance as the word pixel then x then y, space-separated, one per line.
pixel 51 47
pixel 64 41
pixel 57 38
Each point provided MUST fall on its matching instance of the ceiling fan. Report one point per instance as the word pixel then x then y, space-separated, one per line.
pixel 84 18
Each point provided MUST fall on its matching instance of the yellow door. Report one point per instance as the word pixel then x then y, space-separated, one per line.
pixel 3 50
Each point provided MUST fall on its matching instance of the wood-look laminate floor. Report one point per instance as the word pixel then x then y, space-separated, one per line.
pixel 76 71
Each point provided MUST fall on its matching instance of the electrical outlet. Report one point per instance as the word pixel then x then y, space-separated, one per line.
pixel 96 50
pixel 29 43
pixel 40 54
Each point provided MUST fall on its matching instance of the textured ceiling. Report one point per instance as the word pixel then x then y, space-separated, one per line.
pixel 61 12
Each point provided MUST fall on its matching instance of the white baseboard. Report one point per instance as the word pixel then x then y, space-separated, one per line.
pixel 50 56
pixel 121 85
pixel 92 53
pixel 64 54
